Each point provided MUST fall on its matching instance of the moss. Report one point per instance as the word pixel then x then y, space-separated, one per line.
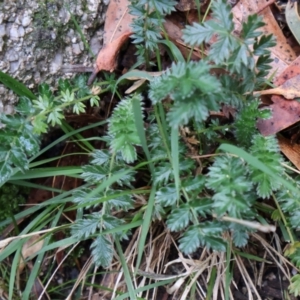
pixel 11 196
pixel 49 32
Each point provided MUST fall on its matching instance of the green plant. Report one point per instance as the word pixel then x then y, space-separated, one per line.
pixel 147 25
pixel 206 208
pixel 232 187
pixel 11 197
pixel 20 136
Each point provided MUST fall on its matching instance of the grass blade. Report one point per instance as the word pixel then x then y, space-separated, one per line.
pixel 127 276
pixel 175 158
pixel 145 226
pixel 16 86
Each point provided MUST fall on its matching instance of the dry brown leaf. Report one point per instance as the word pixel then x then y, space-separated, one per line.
pixel 135 86
pixel 116 32
pixel 107 57
pixel 290 72
pixel 284 113
pixel 282 54
pixel 192 140
pixel 289 89
pixel 290 150
pixel 31 247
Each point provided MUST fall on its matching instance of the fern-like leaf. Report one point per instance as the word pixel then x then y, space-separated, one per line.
pixel 245 123
pixel 192 88
pixel 167 195
pixel 207 234
pixel 122 130
pixel 179 218
pixel 266 149
pixel 227 177
pixel 84 228
pixel 102 251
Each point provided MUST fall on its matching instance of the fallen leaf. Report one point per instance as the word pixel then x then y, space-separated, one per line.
pixel 135 86
pixel 30 248
pixel 290 150
pixel 107 57
pixel 116 32
pixel 140 80
pixel 284 113
pixel 293 19
pixel 291 71
pixel 290 89
pixel 4 243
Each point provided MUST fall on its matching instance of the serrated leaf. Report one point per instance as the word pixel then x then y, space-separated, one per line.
pixel 94 173
pixel 221 26
pixel 129 153
pixel 40 124
pixel 80 196
pixel 295 257
pixel 202 206
pixel 122 129
pixel 111 222
pixel 239 57
pixel 166 195
pixel 195 184
pixel 245 123
pixel 84 228
pixel 28 144
pixel 123 202
pixel 192 88
pixel 102 251
pixel 64 84
pixel 163 172
pixel 45 91
pixel 240 235
pixel 127 178
pixel 264 184
pixel 100 157
pixel 24 106
pixel 55 117
pixel 261 46
pixel 181 113
pixel 294 218
pixel 67 96
pixel 294 287
pixel 266 149
pixel 197 34
pixel 207 234
pixel 6 171
pixel 19 159
pixel 179 218
pixel 227 174
pixel 79 108
pixel 42 103
pixel 163 7
pixel 249 28
pixel 289 203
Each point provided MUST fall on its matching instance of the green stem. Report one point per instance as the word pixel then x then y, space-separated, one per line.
pixel 284 219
